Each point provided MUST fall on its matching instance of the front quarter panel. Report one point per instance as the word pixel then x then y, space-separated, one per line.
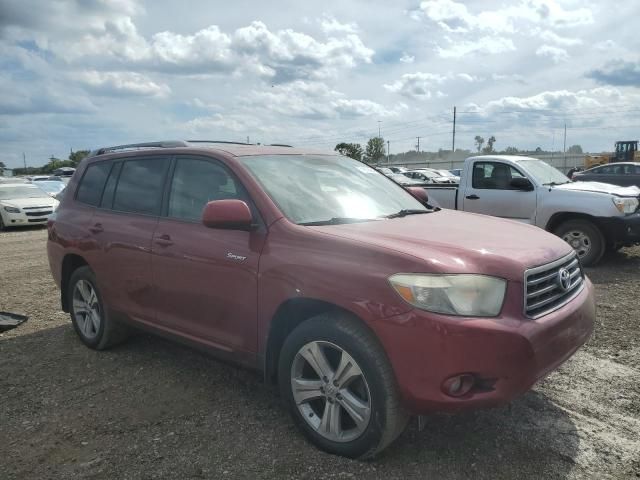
pixel 552 201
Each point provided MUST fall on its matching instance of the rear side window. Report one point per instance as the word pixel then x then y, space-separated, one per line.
pixel 110 187
pixel 140 185
pixel 195 183
pixel 92 183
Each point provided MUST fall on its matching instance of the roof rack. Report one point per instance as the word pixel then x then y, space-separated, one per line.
pixel 131 146
pixel 218 141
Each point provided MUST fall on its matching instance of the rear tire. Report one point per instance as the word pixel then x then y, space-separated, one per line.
pixel 361 398
pixel 2 226
pixel 89 317
pixel 585 238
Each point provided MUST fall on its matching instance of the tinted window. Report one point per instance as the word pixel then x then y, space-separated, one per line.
pixel 110 187
pixel 92 183
pixel 139 188
pixel 493 176
pixel 195 183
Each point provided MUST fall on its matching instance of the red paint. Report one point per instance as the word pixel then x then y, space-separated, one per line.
pixel 221 288
pixel 226 214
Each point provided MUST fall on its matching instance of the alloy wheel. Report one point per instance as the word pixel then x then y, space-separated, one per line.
pixel 86 309
pixel 330 391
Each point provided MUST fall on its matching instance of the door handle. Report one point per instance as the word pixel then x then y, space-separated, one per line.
pixel 97 228
pixel 472 197
pixel 164 240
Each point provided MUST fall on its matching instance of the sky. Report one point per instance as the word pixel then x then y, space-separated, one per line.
pixel 80 74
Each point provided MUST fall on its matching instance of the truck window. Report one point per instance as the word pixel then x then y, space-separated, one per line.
pixel 493 176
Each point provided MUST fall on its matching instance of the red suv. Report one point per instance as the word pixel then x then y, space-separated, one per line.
pixel 364 303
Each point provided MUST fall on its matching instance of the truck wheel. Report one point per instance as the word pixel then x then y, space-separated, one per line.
pixel 89 317
pixel 337 382
pixel 585 238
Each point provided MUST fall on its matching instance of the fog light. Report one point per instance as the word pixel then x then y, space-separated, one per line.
pixel 458 385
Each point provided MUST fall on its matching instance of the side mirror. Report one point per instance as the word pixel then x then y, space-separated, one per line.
pixel 229 214
pixel 521 183
pixel 419 193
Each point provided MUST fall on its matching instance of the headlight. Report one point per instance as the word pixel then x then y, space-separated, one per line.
pixel 625 205
pixel 12 209
pixel 464 295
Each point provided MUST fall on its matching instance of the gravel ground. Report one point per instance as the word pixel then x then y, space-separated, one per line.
pixel 153 409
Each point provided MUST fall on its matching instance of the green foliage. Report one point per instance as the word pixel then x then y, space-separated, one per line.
pixel 574 149
pixel 76 156
pixel 353 150
pixel 489 147
pixel 511 151
pixel 375 150
pixel 479 141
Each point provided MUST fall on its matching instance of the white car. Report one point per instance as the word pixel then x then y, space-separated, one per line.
pixel 428 175
pixel 22 205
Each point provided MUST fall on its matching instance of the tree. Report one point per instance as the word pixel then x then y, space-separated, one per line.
pixel 538 150
pixel 375 150
pixel 2 167
pixel 511 151
pixel 75 157
pixel 353 150
pixel 489 147
pixel 574 149
pixel 479 141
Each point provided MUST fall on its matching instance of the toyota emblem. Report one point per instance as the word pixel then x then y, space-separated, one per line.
pixel 564 279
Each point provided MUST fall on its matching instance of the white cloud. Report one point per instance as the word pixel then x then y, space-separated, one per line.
pixel 330 25
pixel 122 83
pixel 455 17
pixel 605 45
pixel 406 58
pixel 483 45
pixel 551 37
pixel 316 100
pixel 556 54
pixel 419 85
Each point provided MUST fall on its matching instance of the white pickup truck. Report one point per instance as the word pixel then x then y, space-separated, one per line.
pixel 592 217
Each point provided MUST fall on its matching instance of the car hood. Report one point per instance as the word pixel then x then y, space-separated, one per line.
pixel 457 242
pixel 43 201
pixel 599 187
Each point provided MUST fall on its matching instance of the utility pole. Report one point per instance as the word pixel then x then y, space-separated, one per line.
pixel 379 122
pixel 564 148
pixel 247 139
pixel 418 146
pixel 388 151
pixel 24 160
pixel 453 143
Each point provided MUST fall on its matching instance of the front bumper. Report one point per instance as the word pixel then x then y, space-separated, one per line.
pixel 506 355
pixel 26 218
pixel 622 230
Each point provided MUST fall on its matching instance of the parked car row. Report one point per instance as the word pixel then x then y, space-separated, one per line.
pixel 592 217
pixel 421 175
pixel 359 299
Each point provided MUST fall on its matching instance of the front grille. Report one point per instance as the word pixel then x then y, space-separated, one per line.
pixel 38 214
pixel 36 208
pixel 544 291
pixel 37 220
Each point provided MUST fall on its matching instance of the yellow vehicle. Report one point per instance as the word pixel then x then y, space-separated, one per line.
pixel 626 151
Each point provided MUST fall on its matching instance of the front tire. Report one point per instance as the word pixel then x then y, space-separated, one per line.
pixel 89 316
pixel 585 238
pixel 339 386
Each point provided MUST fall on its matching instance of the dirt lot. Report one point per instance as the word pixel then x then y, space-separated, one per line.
pixel 152 409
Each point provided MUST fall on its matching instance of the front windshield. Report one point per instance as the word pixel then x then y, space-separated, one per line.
pixel 544 173
pixel 20 191
pixel 51 187
pixel 310 188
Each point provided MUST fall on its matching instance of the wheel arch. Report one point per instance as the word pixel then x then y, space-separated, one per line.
pixel 288 316
pixel 70 263
pixel 560 217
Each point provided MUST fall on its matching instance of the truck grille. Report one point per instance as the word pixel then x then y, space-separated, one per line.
pixel 551 286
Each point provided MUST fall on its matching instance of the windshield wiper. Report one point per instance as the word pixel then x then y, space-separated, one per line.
pixel 553 184
pixel 336 221
pixel 405 212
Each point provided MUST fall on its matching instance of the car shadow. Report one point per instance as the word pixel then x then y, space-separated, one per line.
pixel 150 406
